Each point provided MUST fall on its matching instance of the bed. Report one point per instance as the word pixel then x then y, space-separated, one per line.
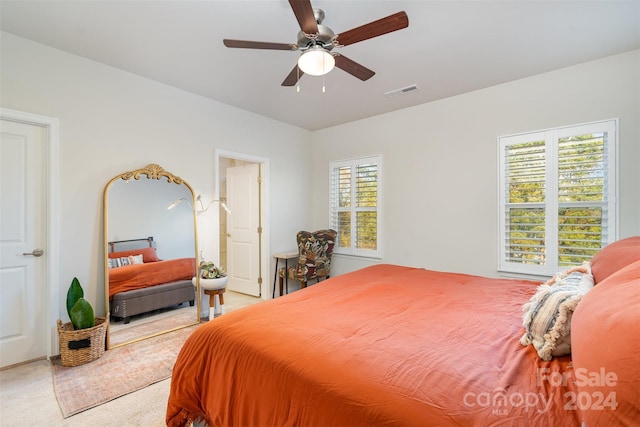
pixel 397 346
pixel 140 282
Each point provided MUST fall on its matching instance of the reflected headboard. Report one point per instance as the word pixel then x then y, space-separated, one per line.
pixel 123 245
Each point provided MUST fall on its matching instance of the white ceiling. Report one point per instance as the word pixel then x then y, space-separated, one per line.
pixel 449 48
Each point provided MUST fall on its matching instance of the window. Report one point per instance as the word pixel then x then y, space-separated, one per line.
pixel 355 205
pixel 557 197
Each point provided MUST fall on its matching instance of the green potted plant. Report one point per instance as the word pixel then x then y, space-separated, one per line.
pixel 211 276
pixel 208 270
pixel 79 309
pixel 83 339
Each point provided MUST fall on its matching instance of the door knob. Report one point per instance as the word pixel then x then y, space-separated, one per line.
pixel 228 234
pixel 35 253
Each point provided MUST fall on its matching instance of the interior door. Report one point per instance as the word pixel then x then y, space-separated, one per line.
pixel 243 238
pixel 23 290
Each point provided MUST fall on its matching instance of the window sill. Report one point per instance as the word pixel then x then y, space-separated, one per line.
pixel 358 257
pixel 528 276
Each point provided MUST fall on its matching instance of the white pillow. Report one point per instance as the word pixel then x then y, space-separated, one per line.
pixel 136 259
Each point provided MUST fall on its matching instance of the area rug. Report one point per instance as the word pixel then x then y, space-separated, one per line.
pixel 118 372
pixel 150 325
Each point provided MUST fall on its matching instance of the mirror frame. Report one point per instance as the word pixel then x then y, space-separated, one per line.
pixel 152 171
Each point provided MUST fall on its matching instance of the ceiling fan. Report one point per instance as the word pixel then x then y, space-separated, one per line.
pixel 316 41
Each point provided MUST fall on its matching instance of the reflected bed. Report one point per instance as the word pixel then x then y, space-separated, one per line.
pixel 139 282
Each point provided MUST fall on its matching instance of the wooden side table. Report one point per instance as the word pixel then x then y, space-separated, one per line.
pixel 212 301
pixel 286 256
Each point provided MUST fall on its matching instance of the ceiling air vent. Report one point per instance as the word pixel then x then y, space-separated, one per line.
pixel 402 91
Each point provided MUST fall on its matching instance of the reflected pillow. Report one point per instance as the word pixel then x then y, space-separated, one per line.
pixel 136 259
pixel 119 262
pixel 148 254
pixel 547 315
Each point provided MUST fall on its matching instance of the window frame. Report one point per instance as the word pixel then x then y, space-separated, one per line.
pixel 552 203
pixel 353 163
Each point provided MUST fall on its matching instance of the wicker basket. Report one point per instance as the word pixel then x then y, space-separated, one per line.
pixel 83 345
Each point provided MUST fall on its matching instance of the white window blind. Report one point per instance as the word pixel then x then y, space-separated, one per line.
pixel 557 197
pixel 355 205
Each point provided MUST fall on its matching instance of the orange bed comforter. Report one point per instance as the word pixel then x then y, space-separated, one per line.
pixel 137 276
pixel 383 346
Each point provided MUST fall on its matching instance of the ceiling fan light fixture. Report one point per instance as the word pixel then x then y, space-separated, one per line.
pixel 316 61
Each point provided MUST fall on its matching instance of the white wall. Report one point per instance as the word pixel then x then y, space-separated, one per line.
pixel 112 121
pixel 440 160
pixel 138 208
pixel 440 188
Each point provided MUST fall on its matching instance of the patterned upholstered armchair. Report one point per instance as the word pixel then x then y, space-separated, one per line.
pixel 314 257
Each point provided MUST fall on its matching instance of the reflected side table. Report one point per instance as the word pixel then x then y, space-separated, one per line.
pixel 285 256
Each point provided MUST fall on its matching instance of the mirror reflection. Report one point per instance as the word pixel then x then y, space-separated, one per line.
pixel 150 255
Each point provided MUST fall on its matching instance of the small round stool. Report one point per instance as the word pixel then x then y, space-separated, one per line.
pixel 213 287
pixel 212 300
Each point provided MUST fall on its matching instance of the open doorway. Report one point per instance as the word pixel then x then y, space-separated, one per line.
pixel 241 182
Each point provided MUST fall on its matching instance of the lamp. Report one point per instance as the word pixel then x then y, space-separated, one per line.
pixel 199 200
pixel 316 61
pixel 203 209
pixel 176 203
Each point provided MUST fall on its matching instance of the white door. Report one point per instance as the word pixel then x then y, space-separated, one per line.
pixel 243 238
pixel 23 290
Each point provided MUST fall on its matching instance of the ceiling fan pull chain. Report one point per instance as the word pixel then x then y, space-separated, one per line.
pixel 324 90
pixel 298 85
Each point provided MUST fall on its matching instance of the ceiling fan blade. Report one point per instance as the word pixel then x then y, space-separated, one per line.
pixel 391 23
pixel 246 44
pixel 292 78
pixel 304 14
pixel 353 68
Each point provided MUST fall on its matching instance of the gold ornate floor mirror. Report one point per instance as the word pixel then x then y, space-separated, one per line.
pixel 150 255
